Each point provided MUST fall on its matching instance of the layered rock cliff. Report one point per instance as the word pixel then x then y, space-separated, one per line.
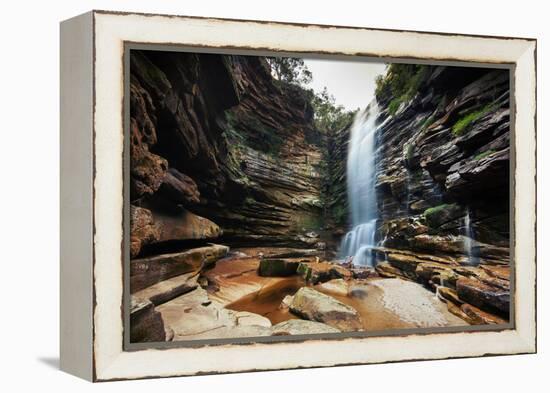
pixel 442 182
pixel 220 149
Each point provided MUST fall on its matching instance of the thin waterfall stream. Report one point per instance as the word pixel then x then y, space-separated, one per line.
pixel 361 171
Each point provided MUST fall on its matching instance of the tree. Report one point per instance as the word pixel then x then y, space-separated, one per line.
pixel 328 115
pixel 290 70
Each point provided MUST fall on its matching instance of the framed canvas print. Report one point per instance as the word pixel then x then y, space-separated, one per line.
pixel 244 195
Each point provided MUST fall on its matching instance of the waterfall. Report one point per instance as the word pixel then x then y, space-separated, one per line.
pixel 361 171
pixel 473 258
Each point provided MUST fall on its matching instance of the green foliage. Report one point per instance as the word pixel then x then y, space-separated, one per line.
pixel 400 84
pixel 290 70
pixel 329 116
pixel 484 154
pixel 460 127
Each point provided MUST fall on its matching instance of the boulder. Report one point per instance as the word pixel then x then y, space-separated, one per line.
pixel 181 224
pixel 277 267
pixel 320 272
pixel 338 287
pixel 299 326
pixel 146 324
pixel 147 271
pixel 316 306
pixel 285 303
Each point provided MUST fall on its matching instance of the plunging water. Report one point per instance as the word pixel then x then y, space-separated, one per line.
pixel 473 257
pixel 361 169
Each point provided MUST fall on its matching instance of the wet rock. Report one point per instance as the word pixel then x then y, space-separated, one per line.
pixel 338 287
pixel 363 273
pixel 359 290
pixel 449 295
pixel 480 317
pixel 299 326
pixel 146 324
pixel 483 295
pixel 439 215
pixel 142 229
pixel 276 267
pixel 385 270
pixel 147 271
pixel 428 271
pixel 320 272
pixel 313 305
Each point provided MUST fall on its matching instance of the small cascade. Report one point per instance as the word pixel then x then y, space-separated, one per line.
pixel 361 171
pixel 473 257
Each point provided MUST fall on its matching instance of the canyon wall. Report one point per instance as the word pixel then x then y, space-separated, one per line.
pixel 220 150
pixel 442 183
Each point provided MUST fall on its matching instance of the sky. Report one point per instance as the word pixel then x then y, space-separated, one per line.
pixel 350 82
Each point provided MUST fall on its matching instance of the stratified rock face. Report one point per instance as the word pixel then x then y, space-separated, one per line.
pixel 443 159
pixel 218 137
pixel 148 271
pixel 316 306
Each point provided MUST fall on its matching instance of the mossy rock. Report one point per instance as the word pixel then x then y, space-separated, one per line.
pixel 439 215
pixel 272 267
pixel 304 270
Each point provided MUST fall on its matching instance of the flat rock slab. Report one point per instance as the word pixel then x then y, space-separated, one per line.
pixel 415 304
pixel 168 289
pixel 145 272
pixel 316 306
pixel 299 326
pixel 483 295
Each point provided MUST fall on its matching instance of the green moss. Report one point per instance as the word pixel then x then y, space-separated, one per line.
pixel 400 84
pixel 339 214
pixel 310 222
pixel 439 215
pixel 409 151
pixel 394 105
pixel 304 270
pixel 427 122
pixel 483 154
pixel 460 127
pixel 436 209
